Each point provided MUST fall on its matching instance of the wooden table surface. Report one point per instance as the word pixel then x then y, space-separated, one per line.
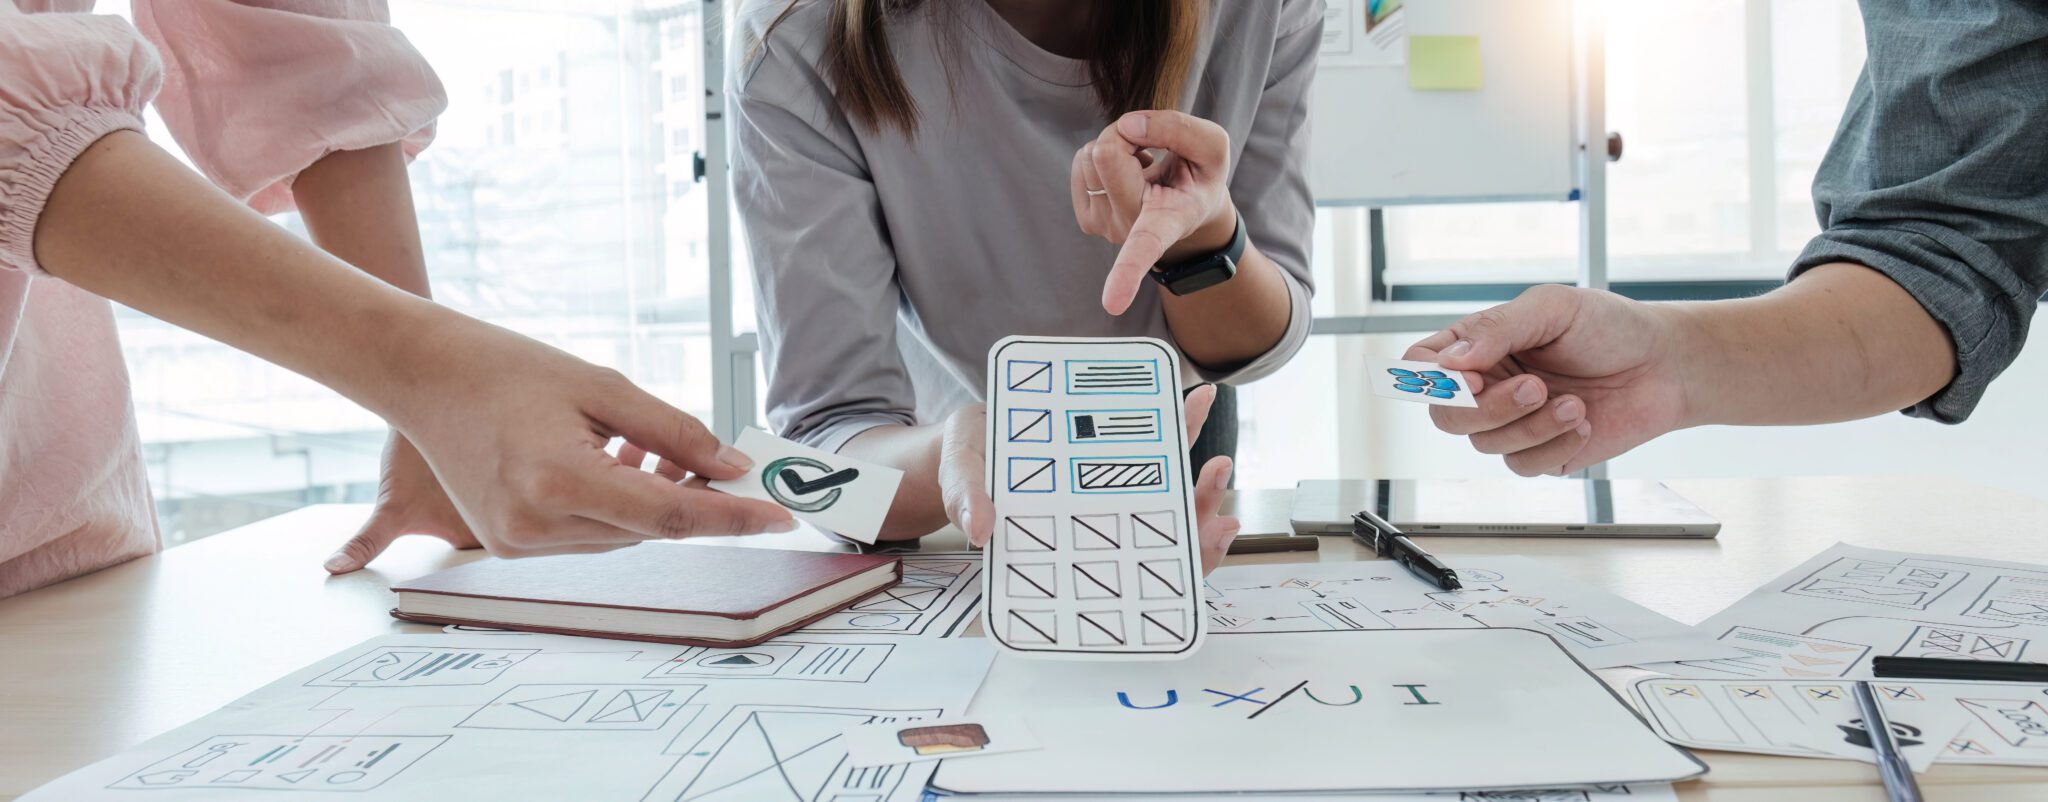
pixel 95 665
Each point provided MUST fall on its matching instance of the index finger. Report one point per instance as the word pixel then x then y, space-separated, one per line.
pixel 1155 230
pixel 653 507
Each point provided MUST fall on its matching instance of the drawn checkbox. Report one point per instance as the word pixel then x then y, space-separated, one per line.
pixel 1030 425
pixel 1031 475
pixel 1028 376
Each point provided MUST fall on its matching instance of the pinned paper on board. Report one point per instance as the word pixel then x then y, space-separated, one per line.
pixel 1444 64
pixel 1363 33
pixel 832 491
pixel 1093 552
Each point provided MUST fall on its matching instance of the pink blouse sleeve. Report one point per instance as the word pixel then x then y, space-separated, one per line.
pixel 65 81
pixel 257 90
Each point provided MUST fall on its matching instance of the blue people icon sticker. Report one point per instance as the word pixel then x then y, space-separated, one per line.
pixel 1421 382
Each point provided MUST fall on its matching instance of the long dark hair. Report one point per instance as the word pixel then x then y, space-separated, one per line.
pixel 1139 56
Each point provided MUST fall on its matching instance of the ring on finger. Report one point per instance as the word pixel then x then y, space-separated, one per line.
pixel 1096 193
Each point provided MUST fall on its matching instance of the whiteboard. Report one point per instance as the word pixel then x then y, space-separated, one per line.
pixel 1375 142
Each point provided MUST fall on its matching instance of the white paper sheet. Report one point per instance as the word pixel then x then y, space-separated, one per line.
pixel 548 717
pixel 1601 629
pixel 836 492
pixel 1948 722
pixel 1094 554
pixel 1317 711
pixel 1639 792
pixel 1828 617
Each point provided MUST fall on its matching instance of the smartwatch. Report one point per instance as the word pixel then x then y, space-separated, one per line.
pixel 1203 272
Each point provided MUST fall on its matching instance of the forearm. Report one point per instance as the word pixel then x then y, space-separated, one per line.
pixel 1839 343
pixel 919 507
pixel 129 223
pixel 358 206
pixel 1234 322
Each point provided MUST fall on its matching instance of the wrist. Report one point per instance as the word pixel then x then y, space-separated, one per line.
pixel 1213 235
pixel 1694 362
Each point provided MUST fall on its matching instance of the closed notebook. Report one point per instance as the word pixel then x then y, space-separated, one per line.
pixel 694 595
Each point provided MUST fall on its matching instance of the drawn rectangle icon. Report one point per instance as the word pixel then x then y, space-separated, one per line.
pixel 1028 376
pixel 779 660
pixel 1112 377
pixel 1030 425
pixel 1113 426
pixel 582 707
pixel 1151 530
pixel 1031 580
pixel 1030 533
pixel 1163 627
pixel 1097 580
pixel 1031 475
pixel 1584 631
pixel 1120 474
pixel 1032 627
pixel 1100 627
pixel 1094 532
pixel 1162 579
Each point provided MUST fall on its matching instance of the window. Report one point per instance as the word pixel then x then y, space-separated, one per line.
pixel 545 233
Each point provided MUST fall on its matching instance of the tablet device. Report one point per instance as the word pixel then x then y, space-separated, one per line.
pixel 1503 507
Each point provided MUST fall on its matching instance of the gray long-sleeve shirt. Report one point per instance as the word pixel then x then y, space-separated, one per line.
pixel 1938 176
pixel 965 233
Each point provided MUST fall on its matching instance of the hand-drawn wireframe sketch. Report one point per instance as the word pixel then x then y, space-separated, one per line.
pixel 779 659
pixel 787 753
pixel 411 667
pixel 1598 793
pixel 285 763
pixel 552 706
pixel 1599 628
pixel 349 724
pixel 937 598
pixel 1939 722
pixel 1830 615
pixel 1094 553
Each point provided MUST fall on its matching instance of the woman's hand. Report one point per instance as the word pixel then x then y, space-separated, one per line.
pixel 409 502
pixel 516 431
pixel 1156 183
pixel 963 480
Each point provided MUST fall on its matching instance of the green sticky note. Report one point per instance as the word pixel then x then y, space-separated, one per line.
pixel 1443 63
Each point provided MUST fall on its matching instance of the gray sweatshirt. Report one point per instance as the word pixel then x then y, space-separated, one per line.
pixel 965 233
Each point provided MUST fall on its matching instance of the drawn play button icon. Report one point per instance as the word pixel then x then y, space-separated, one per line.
pixel 804 484
pixel 738 660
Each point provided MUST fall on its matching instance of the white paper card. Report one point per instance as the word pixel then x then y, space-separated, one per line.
pixel 871 745
pixel 835 492
pixel 548 717
pixel 1826 618
pixel 1419 382
pixel 1094 553
pixel 1396 710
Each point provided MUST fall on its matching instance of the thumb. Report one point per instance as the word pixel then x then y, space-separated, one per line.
pixel 1195 409
pixel 370 541
pixel 1533 320
pixel 653 425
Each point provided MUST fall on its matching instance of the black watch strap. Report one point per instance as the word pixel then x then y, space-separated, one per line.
pixel 1203 272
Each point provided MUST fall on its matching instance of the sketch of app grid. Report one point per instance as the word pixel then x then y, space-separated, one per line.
pixel 1113 426
pixel 784 753
pixel 1112 376
pixel 1093 558
pixel 279 762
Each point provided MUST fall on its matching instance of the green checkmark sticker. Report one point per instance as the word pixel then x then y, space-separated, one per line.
pixel 783 483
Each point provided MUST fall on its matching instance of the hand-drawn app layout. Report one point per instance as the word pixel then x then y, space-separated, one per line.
pixel 1094 552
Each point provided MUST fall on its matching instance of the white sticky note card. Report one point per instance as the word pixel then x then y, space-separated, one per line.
pixel 1094 554
pixel 832 491
pixel 1420 382
pixel 887 744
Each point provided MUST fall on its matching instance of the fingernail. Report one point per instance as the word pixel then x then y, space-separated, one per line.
pixel 1459 348
pixel 1529 394
pixel 338 563
pixel 732 456
pixel 1132 125
pixel 967 521
pixel 784 525
pixel 1585 428
pixel 1570 410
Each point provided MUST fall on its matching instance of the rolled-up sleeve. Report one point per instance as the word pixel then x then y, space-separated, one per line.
pixel 1938 177
pixel 65 81
pixel 256 91
pixel 824 273
pixel 1270 182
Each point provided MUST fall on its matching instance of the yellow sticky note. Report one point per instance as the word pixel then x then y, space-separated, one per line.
pixel 1444 63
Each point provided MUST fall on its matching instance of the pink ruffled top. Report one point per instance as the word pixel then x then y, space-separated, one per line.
pixel 253 92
